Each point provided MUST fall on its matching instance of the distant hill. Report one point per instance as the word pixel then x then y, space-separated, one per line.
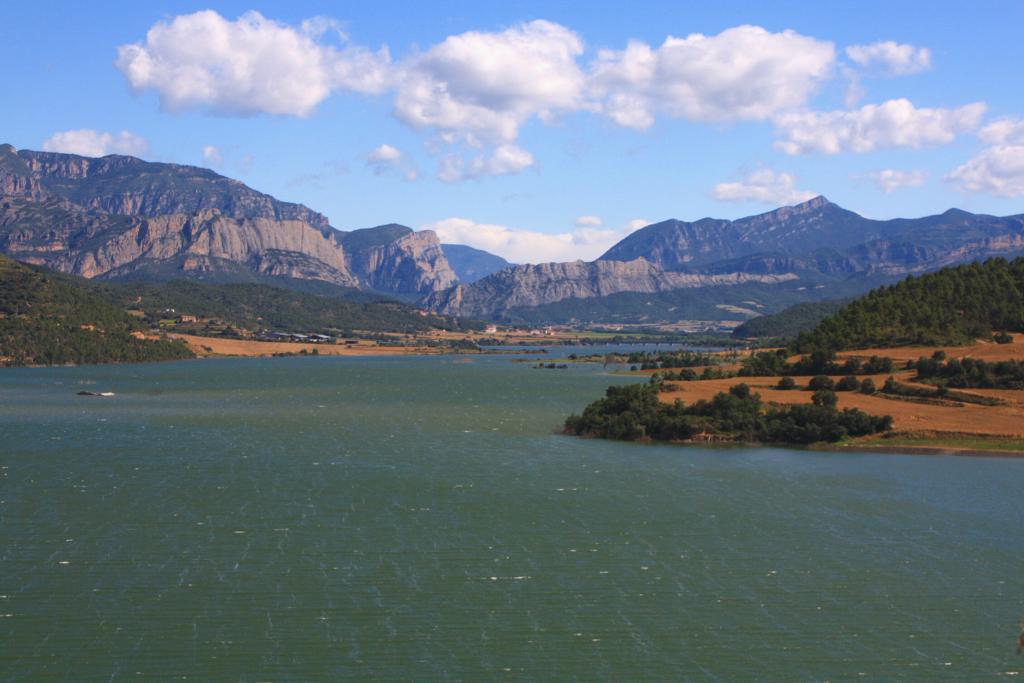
pixel 472 264
pixel 822 238
pixel 46 319
pixel 951 306
pixel 830 251
pixel 523 286
pixel 790 322
pixel 119 217
pixel 677 245
pixel 256 307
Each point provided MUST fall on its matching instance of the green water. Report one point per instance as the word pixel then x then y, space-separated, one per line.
pixel 317 519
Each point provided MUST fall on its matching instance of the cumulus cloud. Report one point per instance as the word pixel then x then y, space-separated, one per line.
pixel 763 185
pixel 636 224
pixel 528 246
pixel 389 159
pixel 474 91
pixel 1003 131
pixel 589 222
pixel 503 160
pixel 94 143
pixel 213 156
pixel 895 123
pixel 892 58
pixel 481 86
pixel 889 180
pixel 996 170
pixel 743 73
pixel 247 66
pixel 383 158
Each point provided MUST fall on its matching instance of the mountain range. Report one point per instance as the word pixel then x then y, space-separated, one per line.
pixel 811 251
pixel 118 217
pixel 122 218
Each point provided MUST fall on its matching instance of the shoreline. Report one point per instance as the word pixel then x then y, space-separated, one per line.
pixel 938 448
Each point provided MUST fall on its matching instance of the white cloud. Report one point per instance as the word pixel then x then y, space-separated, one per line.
pixel 1003 131
pixel 389 159
pixel 385 154
pixel 743 73
pixel 527 246
pixel 895 123
pixel 997 170
pixel 94 143
pixel 763 185
pixel 247 66
pixel 895 59
pixel 589 222
pixel 889 179
pixel 481 87
pixel 213 156
pixel 503 160
pixel 383 159
pixel 636 224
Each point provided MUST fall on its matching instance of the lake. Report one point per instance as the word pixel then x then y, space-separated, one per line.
pixel 315 519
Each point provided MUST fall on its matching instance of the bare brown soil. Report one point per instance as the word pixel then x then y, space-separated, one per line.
pixel 909 417
pixel 212 346
pixel 981 350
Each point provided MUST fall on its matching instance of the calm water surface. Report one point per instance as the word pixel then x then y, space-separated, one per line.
pixel 312 519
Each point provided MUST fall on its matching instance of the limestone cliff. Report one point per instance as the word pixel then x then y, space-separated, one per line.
pixel 116 216
pixel 535 285
pixel 65 237
pixel 413 264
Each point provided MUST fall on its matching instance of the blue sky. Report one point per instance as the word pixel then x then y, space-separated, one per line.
pixel 541 131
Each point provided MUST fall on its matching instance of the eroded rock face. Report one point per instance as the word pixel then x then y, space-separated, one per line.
pixel 413 264
pixel 94 244
pixel 111 216
pixel 126 185
pixel 535 285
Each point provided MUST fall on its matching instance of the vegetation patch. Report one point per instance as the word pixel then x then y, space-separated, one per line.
pixel 47 320
pixel 948 307
pixel 634 412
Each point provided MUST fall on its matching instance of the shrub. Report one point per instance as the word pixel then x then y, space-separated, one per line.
pixel 819 382
pixel 786 383
pixel 1002 338
pixel 825 398
pixel 868 386
pixel 848 383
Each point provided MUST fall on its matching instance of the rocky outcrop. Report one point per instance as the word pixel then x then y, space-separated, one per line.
pixel 16 177
pixel 412 264
pixel 126 185
pixel 118 215
pixel 536 285
pixel 94 244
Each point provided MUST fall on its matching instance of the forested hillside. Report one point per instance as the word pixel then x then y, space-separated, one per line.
pixel 788 323
pixel 255 307
pixel 950 306
pixel 48 320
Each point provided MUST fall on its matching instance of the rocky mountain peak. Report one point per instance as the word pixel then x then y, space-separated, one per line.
pixel 117 215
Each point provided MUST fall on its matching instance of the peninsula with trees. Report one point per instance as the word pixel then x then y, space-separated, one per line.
pixel 933 362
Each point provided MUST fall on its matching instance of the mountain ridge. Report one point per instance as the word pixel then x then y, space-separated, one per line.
pixel 837 252
pixel 116 216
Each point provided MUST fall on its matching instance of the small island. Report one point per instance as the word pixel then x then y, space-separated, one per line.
pixel 933 363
